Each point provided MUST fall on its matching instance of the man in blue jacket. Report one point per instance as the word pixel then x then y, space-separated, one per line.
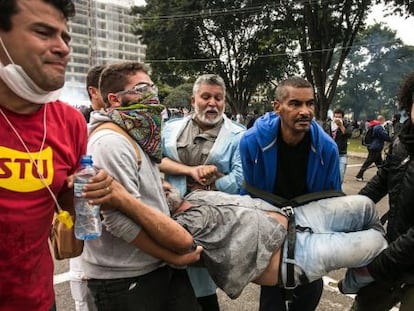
pixel 379 136
pixel 287 153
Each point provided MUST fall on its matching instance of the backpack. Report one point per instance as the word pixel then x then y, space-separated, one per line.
pixel 368 136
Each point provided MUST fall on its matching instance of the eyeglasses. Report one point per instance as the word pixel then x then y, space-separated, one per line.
pixel 141 88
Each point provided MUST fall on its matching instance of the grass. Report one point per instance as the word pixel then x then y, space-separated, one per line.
pixel 354 145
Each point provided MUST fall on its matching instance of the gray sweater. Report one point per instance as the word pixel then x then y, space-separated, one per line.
pixel 112 256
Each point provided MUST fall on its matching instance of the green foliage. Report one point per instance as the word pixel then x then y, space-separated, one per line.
pixel 373 73
pixel 402 6
pixel 241 40
pixel 169 39
pixel 326 31
pixel 252 43
pixel 163 91
pixel 180 97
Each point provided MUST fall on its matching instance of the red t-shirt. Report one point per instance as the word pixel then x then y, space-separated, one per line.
pixel 26 206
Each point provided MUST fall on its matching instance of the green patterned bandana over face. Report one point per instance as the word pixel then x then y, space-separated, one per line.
pixel 141 119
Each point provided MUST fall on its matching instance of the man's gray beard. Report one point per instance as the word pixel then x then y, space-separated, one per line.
pixel 201 117
pixel 174 199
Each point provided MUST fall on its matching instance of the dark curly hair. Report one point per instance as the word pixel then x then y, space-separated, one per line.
pixel 8 8
pixel 406 92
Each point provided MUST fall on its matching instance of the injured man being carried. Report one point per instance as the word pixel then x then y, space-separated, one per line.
pixel 244 239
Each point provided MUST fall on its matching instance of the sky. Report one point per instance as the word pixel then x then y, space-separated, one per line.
pixel 402 25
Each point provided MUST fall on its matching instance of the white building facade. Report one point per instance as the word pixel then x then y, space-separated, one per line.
pixel 101 34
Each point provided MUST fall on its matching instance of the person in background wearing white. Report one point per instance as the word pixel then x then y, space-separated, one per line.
pixel 340 130
pixel 78 285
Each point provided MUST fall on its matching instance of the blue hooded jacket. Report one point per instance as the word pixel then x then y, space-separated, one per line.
pixel 379 136
pixel 259 155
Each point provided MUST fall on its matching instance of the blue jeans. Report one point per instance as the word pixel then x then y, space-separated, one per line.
pixel 350 236
pixel 343 162
pixel 201 281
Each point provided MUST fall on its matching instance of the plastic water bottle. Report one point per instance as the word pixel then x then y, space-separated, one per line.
pixel 88 224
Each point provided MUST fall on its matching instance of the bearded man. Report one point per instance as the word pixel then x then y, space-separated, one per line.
pixel 201 151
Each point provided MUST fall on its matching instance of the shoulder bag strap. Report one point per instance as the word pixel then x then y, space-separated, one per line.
pixel 116 128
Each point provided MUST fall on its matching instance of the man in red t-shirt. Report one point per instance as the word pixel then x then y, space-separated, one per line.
pixel 41 143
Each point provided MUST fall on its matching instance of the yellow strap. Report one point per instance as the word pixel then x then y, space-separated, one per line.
pixel 112 126
pixel 64 217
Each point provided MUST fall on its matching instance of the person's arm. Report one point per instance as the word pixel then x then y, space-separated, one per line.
pixel 145 243
pixel 99 186
pixel 340 124
pixel 396 260
pixel 125 214
pixel 160 227
pixel 231 182
pixel 377 187
pixel 347 132
pixel 382 133
pixel 200 173
pixel 172 167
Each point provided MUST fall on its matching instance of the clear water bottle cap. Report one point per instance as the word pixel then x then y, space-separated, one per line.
pixel 86 160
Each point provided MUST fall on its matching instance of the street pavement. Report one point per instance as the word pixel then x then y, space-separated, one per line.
pixel 331 300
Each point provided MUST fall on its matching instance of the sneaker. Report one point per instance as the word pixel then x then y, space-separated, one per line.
pixel 359 178
pixel 344 290
pixel 340 286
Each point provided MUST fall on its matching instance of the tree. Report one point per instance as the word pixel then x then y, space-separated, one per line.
pixel 402 6
pixel 326 33
pixel 373 72
pixel 241 40
pixel 180 97
pixel 170 37
pixel 251 44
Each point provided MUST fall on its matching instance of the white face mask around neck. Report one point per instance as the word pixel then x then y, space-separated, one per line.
pixel 22 85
